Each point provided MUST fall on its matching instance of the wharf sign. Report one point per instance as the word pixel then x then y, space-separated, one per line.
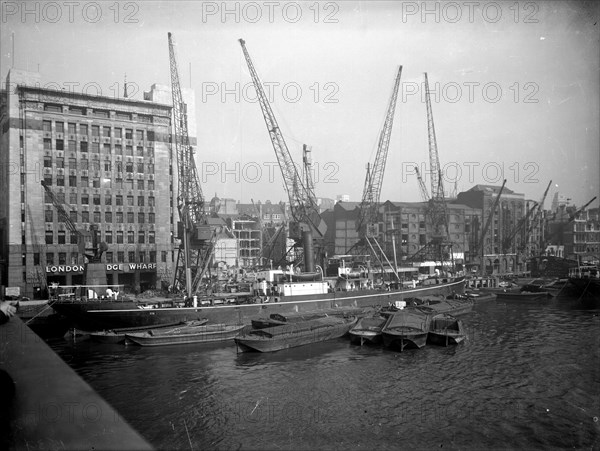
pixel 64 268
pixel 126 267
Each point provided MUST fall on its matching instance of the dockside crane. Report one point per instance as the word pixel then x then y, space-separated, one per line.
pixel 307 222
pixel 367 222
pixel 439 243
pixel 535 220
pixel 197 237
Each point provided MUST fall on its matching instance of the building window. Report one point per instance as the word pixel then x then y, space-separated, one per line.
pixel 131 256
pixel 142 257
pixel 107 199
pixel 141 237
pixel 49 258
pixel 84 164
pixel 141 218
pixel 84 182
pixel 130 237
pixel 129 167
pixel 47 144
pixel 106 149
pixel 61 240
pixel 36 258
pixel 60 162
pixel 47 126
pixel 130 201
pixel 120 239
pixel 140 135
pixel 108 217
pixel 151 201
pixel 140 201
pixel 151 217
pixel 119 199
pixel 109 257
pixel 120 256
pixel 152 256
pixel 151 237
pixel 151 185
pixel 95 147
pixel 128 133
pixel 95 130
pixel 73 180
pixel 72 128
pixel 83 146
pixel 119 216
pixel 140 168
pixel 47 162
pixel 140 184
pixel 118 149
pixel 60 180
pixel 72 145
pixel 107 165
pixel 163 256
pixel 60 144
pixel 140 151
pixel 60 127
pixel 119 183
pixel 96 182
pixel 118 133
pixel 106 131
pixel 73 214
pixel 97 217
pixel 85 217
pixel 72 163
pixel 83 129
pixel 48 215
pixel 74 238
pixel 150 152
pixel 130 217
pixel 150 168
pixel 129 150
pixel 49 237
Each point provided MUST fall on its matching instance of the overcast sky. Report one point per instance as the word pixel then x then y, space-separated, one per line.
pixel 516 83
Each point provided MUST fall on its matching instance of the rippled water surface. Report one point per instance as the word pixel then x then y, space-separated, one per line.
pixel 527 377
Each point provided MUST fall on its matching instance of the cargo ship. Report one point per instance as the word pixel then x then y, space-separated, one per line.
pixel 274 291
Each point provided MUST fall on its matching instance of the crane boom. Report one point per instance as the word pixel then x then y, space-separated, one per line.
pixel 304 209
pixel 372 190
pixel 437 186
pixel 422 186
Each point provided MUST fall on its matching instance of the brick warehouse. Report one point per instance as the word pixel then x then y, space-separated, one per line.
pixel 110 160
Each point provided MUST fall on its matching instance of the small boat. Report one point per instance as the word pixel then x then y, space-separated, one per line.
pixel 210 333
pixel 277 319
pixel 522 296
pixel 368 330
pixel 446 329
pixel 118 335
pixel 479 297
pixel 457 305
pixel 406 328
pixel 297 334
pixel 553 286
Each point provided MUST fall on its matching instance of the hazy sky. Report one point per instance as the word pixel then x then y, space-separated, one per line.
pixel 517 85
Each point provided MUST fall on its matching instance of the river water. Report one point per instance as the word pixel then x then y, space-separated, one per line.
pixel 527 377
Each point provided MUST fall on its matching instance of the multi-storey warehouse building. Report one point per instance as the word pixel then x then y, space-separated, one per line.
pixel 405 225
pixel 109 160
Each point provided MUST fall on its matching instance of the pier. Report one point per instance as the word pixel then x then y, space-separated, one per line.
pixel 53 408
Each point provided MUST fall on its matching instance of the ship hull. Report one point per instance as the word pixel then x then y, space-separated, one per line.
pixel 100 315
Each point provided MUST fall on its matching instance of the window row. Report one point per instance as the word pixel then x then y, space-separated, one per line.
pixel 97 130
pixel 120 237
pixel 94 147
pixel 75 181
pixel 98 165
pixel 118 217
